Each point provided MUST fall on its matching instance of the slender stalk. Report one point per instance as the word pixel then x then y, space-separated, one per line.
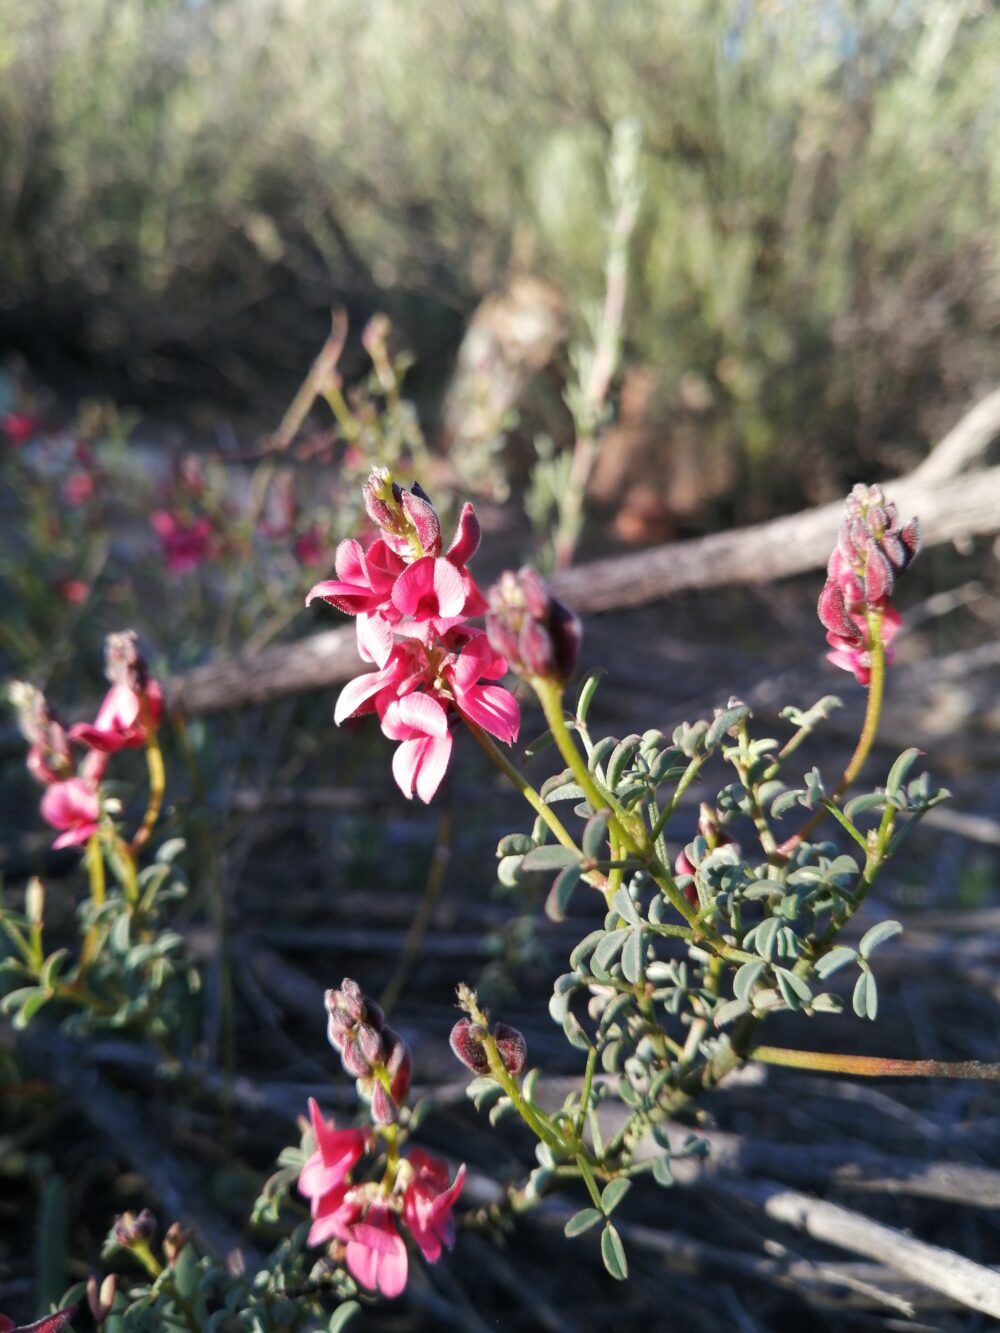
pixel 869 730
pixel 98 893
pixel 157 786
pixel 688 777
pixel 550 697
pixel 555 824
pixel 422 919
pixel 588 1085
pixel 874 1066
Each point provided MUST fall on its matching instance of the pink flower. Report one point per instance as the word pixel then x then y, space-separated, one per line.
pixel 421 722
pixel 852 652
pixel 121 722
pixel 71 805
pixel 185 545
pixel 74 591
pixel 50 1323
pixel 490 706
pixel 364 581
pixel 433 589
pixel 376 1255
pixel 337 1151
pixel 309 547
pixel 18 427
pixel 77 489
pixel 428 1204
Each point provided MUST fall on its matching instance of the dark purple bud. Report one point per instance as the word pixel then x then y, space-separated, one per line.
pixel 374 1015
pixel 353 1061
pixel 467 1043
pixel 512 1047
pixel 384 1110
pixel 538 636
pixel 879 578
pixel 911 539
pixel 398 1063
pixel 369 1043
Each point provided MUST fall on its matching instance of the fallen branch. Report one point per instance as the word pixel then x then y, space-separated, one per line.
pixel 964 507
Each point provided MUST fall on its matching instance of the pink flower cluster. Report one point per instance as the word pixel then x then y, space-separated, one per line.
pixel 412 602
pixel 132 707
pixel 364 1217
pixel 872 551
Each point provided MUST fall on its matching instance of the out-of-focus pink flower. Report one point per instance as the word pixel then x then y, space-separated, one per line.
pixel 77 489
pixel 537 635
pixel 337 1151
pixel 74 807
pixel 122 722
pixel 74 591
pixel 309 547
pixel 376 1255
pixel 428 1203
pixel 420 763
pixel 18 427
pixel 185 545
pixel 50 1323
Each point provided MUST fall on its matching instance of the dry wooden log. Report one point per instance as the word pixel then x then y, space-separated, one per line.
pixel 949 510
pixel 969 1283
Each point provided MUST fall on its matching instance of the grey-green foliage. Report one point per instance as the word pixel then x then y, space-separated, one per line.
pixel 819 175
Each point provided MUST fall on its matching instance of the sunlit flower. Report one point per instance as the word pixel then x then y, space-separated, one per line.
pixel 73 806
pixel 428 1203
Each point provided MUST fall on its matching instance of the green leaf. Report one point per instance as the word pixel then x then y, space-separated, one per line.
pixel 621 758
pixel 514 844
pixel 866 996
pixel 581 1222
pixel 613 1193
pixel 730 717
pixel 662 1173
pixel 613 1253
pixel 610 946
pixel 600 752
pixel 626 908
pixel 587 691
pixel 562 890
pixel 878 934
pixel 585 948
pixel 595 834
pixel 30 1008
pixel 785 802
pixel 551 857
pixel 794 990
pixel 574 1033
pixel 900 769
pixel 342 1316
pixel 746 978
pixel 731 1010
pixel 871 800
pixel 633 957
pixel 836 958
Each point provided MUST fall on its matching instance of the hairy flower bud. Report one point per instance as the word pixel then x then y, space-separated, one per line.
pixel 49 758
pixel 466 1042
pixel 369 1043
pixel 384 1110
pixel 353 1060
pixel 398 1064
pixel 536 634
pixel 407 519
pixel 134 1229
pixel 512 1047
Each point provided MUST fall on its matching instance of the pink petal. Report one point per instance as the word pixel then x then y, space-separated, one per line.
pixel 494 709
pixel 433 767
pixel 467 537
pixel 75 837
pixel 375 638
pixel 423 713
pixel 357 693
pixel 346 597
pixel 70 803
pixel 349 562
pixel 376 1256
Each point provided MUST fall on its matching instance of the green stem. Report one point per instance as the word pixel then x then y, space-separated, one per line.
pixel 872 1066
pixel 98 893
pixel 157 785
pixel 588 1085
pixel 555 824
pixel 686 779
pixel 550 697
pixel 869 730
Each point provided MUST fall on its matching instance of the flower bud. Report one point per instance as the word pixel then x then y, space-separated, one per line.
pixel 512 1047
pixel 369 1043
pixel 174 1241
pixel 101 1299
pixel 467 1043
pixel 384 1110
pixel 353 1060
pixel 398 1064
pixel 536 634
pixel 132 1229
pixel 422 517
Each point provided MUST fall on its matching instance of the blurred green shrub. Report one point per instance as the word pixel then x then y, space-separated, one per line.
pixel 815 262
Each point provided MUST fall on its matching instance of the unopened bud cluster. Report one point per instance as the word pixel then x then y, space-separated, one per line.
pixel 132 1229
pixel 872 550
pixel 536 634
pixel 369 1050
pixel 407 519
pixel 467 1042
